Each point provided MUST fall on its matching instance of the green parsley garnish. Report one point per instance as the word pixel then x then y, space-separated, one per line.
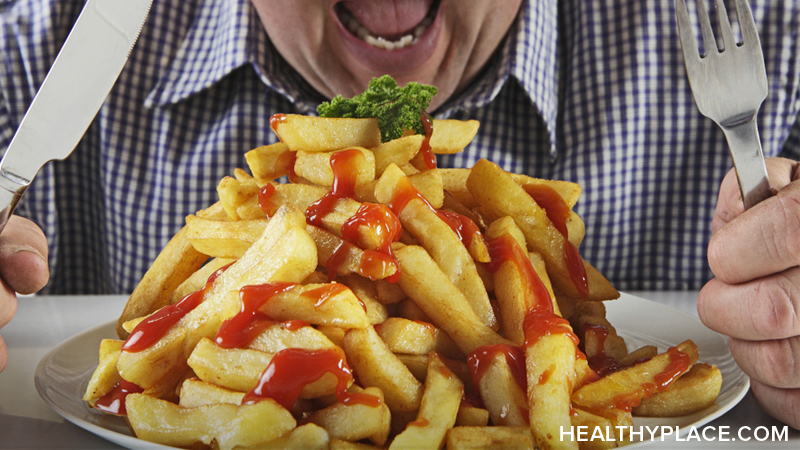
pixel 397 108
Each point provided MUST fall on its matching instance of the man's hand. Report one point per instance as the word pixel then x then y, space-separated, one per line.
pixel 23 268
pixel 755 297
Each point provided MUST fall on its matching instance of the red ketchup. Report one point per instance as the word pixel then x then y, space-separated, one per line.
pixel 557 211
pixel 382 222
pixel 427 153
pixel 377 217
pixel 113 402
pixel 679 363
pixel 505 248
pixel 291 369
pixel 241 329
pixel 601 363
pixel 464 227
pixel 344 185
pixel 276 120
pixel 153 328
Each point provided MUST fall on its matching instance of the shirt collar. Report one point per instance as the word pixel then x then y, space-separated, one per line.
pixel 529 56
pixel 226 35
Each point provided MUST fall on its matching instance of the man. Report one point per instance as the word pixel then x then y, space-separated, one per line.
pixel 578 90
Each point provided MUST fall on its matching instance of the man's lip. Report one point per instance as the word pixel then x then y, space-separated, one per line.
pixel 399 61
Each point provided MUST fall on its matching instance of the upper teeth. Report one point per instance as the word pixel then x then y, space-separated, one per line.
pixel 364 34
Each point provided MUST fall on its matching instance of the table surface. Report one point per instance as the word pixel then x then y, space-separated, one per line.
pixel 42 322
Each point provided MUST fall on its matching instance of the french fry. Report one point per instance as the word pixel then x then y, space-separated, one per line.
pixel 105 376
pixel 451 136
pixel 377 366
pixel 437 412
pixel 366 291
pixel 430 288
pixel 239 369
pixel 278 337
pixel 349 261
pixel 356 421
pixel 502 394
pixel 318 304
pixel 439 239
pixel 455 182
pixel 223 239
pixel 625 388
pixel 233 192
pixel 416 338
pixel 305 437
pixel 319 134
pixel 223 424
pixel 471 416
pixel 418 365
pixel 514 293
pixel 316 167
pixel 694 391
pixel 480 438
pixel 270 162
pixel 550 364
pixel 196 281
pixel 196 392
pixel 397 151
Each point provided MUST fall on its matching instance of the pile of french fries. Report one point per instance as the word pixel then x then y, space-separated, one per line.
pixel 401 331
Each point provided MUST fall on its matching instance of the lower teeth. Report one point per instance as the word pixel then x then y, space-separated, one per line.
pixel 364 34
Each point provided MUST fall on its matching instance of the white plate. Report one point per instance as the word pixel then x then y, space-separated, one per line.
pixel 63 374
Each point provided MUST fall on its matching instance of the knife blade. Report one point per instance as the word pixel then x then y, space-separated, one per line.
pixel 82 75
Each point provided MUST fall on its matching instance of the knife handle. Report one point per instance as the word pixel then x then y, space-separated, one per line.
pixel 10 194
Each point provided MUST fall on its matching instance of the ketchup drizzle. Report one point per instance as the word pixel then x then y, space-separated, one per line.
pixel 464 227
pixel 344 185
pixel 377 217
pixel 427 153
pixel 481 359
pixel 557 211
pixel 276 120
pixel 291 369
pixel 241 329
pixel 505 248
pixel 113 402
pixel 153 328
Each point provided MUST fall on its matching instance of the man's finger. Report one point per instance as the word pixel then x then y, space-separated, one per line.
pixel 3 354
pixel 782 171
pixel 763 240
pixel 768 308
pixel 783 404
pixel 775 363
pixel 23 256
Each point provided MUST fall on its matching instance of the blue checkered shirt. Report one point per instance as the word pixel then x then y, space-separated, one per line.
pixel 590 91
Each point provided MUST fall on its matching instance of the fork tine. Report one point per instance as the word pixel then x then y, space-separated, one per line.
pixel 747 24
pixel 728 40
pixel 690 53
pixel 709 41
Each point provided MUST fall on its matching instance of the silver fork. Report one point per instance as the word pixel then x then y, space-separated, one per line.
pixel 729 85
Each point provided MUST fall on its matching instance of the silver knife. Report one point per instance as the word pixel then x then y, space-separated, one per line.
pixel 76 86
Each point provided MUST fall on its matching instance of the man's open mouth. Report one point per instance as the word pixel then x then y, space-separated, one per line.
pixel 394 41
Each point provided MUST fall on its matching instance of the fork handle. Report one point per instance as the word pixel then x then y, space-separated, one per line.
pixel 748 160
